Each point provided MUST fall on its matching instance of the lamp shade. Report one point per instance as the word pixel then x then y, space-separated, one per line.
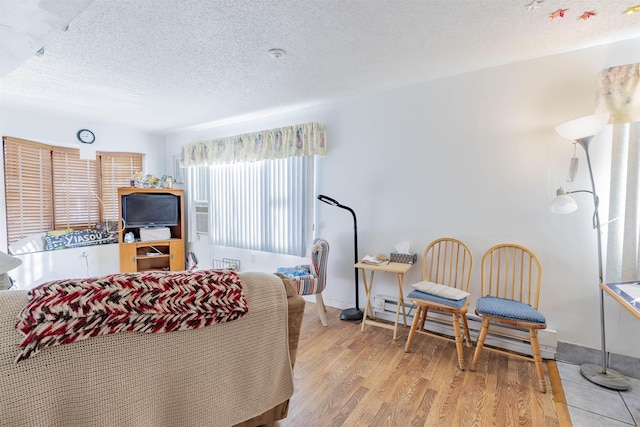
pixel 8 262
pixel 563 204
pixel 583 127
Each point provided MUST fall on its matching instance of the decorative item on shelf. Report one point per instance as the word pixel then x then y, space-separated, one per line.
pixel 150 181
pixel 140 180
pixel 166 181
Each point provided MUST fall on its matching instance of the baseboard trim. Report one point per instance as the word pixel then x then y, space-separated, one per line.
pixel 547 338
pixel 577 354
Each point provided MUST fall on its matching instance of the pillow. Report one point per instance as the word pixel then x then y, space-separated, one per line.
pixel 73 239
pixel 55 239
pixel 294 271
pixel 440 290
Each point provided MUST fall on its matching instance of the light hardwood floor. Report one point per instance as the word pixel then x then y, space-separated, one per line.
pixel 344 377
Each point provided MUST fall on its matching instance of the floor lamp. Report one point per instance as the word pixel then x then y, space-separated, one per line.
pixel 353 313
pixel 582 131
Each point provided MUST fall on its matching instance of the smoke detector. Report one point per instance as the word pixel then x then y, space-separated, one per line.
pixel 277 53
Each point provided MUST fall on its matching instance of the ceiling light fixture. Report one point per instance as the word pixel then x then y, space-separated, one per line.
pixel 277 53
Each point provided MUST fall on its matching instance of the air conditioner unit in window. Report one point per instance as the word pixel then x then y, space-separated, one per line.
pixel 202 217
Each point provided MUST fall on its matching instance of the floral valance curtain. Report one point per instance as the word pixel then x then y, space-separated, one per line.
pixel 619 94
pixel 306 139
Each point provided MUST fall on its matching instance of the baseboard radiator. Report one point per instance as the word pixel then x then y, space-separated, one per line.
pixel 384 307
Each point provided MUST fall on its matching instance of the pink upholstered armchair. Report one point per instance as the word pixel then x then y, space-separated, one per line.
pixel 314 282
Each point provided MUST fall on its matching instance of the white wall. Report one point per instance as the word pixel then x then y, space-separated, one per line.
pixel 61 131
pixel 473 157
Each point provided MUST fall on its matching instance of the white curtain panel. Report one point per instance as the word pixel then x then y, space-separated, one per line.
pixel 623 246
pixel 619 94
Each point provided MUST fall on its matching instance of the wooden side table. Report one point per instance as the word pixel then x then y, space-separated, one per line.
pixel 388 267
pixel 626 294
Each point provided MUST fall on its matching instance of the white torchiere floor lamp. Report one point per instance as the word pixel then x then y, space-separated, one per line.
pixel 582 131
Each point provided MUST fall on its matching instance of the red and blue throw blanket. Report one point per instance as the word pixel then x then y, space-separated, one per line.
pixel 64 311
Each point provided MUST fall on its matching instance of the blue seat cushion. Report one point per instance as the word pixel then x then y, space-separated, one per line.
pixel 292 272
pixel 455 303
pixel 508 309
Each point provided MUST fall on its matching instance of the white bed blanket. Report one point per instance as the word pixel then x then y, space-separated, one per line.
pixel 219 375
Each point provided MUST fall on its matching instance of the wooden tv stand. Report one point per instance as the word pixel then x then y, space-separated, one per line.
pixel 155 254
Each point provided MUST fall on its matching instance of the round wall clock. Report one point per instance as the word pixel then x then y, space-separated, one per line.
pixel 86 136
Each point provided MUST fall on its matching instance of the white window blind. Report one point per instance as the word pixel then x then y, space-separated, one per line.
pixel 262 206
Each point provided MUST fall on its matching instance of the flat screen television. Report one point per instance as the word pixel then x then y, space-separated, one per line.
pixel 150 210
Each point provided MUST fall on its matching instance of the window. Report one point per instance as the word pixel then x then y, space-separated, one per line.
pixel 262 206
pixel 49 188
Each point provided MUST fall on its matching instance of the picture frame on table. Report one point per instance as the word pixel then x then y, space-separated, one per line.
pixel 177 170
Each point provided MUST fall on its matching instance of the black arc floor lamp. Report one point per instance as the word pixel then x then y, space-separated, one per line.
pixel 582 131
pixel 353 313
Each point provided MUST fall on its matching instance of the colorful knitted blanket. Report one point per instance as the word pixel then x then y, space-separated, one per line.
pixel 64 311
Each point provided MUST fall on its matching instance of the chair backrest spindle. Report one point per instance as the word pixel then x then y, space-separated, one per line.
pixel 448 262
pixel 511 271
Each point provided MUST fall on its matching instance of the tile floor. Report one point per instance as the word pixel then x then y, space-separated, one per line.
pixel 592 405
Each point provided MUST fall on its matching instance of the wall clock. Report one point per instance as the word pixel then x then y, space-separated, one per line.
pixel 86 136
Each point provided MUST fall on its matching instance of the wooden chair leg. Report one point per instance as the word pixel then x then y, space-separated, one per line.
pixel 466 330
pixel 321 309
pixel 460 350
pixel 412 331
pixel 423 317
pixel 481 337
pixel 321 301
pixel 537 359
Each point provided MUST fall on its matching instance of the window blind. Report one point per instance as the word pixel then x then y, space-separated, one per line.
pixel 49 188
pixel 261 205
pixel 116 170
pixel 28 188
pixel 75 195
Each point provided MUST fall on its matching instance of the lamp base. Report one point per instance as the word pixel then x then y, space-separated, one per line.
pixel 612 379
pixel 352 314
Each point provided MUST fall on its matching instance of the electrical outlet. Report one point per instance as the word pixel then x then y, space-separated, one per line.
pixel 253 258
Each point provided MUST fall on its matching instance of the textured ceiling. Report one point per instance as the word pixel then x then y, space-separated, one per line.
pixel 166 64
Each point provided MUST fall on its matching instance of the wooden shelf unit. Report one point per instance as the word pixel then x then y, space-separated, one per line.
pixel 137 256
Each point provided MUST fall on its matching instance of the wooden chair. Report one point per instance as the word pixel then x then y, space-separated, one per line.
pixel 314 282
pixel 511 277
pixel 446 262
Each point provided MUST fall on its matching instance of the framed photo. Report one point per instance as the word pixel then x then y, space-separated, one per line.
pixel 177 170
